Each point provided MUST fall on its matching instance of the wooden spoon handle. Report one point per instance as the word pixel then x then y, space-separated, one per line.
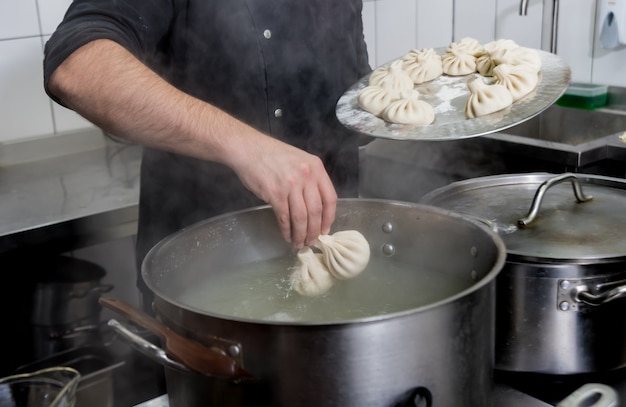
pixel 135 315
pixel 192 354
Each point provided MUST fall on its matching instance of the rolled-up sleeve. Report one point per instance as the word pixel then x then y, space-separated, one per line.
pixel 137 25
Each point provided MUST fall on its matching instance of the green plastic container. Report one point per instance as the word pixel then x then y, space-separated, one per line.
pixel 584 96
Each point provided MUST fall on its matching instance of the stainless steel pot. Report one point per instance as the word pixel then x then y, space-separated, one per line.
pixel 65 310
pixel 438 354
pixel 559 297
pixel 67 292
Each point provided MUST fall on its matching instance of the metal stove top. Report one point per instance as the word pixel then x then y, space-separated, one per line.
pixel 504 396
pixel 522 389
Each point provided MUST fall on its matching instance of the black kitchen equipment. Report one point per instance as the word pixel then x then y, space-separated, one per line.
pixel 65 310
pixel 559 297
pixel 416 352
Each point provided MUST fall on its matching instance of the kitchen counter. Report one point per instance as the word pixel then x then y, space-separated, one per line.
pixel 70 201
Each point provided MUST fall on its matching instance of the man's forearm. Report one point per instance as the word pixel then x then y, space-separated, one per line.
pixel 107 85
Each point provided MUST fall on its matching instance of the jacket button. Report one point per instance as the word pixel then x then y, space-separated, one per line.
pixel 267 34
pixel 278 113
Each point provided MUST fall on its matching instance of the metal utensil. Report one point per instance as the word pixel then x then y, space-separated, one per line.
pixel 195 356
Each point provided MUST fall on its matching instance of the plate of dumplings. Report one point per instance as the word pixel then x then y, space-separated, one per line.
pixel 467 89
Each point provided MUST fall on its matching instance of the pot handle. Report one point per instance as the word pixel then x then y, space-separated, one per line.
pixel 541 191
pixel 145 347
pixel 417 397
pixel 601 298
pixel 591 395
pixel 99 289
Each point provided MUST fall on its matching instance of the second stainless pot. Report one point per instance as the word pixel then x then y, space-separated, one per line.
pixel 437 354
pixel 560 306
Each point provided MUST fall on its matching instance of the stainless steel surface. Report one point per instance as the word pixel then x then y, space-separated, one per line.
pixel 454 352
pixel 542 326
pixel 591 395
pixel 145 347
pixel 503 396
pixel 541 193
pixel 565 231
pixel 70 200
pixel 506 396
pixel 567 129
pixel 448 96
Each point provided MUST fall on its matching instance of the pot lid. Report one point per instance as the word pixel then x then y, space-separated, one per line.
pixel 567 217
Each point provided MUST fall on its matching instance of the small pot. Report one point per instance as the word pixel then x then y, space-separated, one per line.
pixel 560 307
pixel 65 310
pixel 410 357
pixel 67 292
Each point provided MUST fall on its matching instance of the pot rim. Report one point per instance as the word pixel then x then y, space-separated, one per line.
pixel 488 278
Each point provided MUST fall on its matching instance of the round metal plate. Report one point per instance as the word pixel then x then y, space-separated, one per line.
pixel 448 95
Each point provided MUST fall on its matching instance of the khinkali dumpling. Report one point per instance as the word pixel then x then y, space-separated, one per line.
pixel 457 63
pixel 499 46
pixel 466 45
pixel 409 110
pixel 346 253
pixel 485 99
pixel 519 80
pixel 311 276
pixel 392 77
pixel 422 65
pixel 374 99
pixel 491 57
pixel 520 56
pixel 485 64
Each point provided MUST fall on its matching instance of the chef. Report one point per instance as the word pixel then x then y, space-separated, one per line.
pixel 233 100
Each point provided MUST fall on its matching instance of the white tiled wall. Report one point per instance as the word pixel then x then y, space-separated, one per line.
pixel 392 27
pixel 25 110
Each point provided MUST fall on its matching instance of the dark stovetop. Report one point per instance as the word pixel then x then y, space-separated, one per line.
pixel 552 389
pixel 519 390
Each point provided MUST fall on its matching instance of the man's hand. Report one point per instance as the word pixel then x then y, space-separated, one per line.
pixel 294 183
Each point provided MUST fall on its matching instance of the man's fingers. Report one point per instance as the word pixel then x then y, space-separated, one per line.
pixel 313 202
pixel 328 196
pixel 299 219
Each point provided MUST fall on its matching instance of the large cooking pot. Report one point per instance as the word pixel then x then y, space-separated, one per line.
pixel 432 345
pixel 560 306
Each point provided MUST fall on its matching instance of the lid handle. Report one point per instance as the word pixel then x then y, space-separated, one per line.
pixel 541 191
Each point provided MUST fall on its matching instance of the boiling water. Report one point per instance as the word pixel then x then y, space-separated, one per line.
pixel 262 291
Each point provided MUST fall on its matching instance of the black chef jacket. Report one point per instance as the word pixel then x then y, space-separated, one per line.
pixel 278 65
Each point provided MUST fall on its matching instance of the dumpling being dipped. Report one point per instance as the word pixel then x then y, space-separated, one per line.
pixel 485 99
pixel 311 276
pixel 346 253
pixel 519 80
pixel 409 109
